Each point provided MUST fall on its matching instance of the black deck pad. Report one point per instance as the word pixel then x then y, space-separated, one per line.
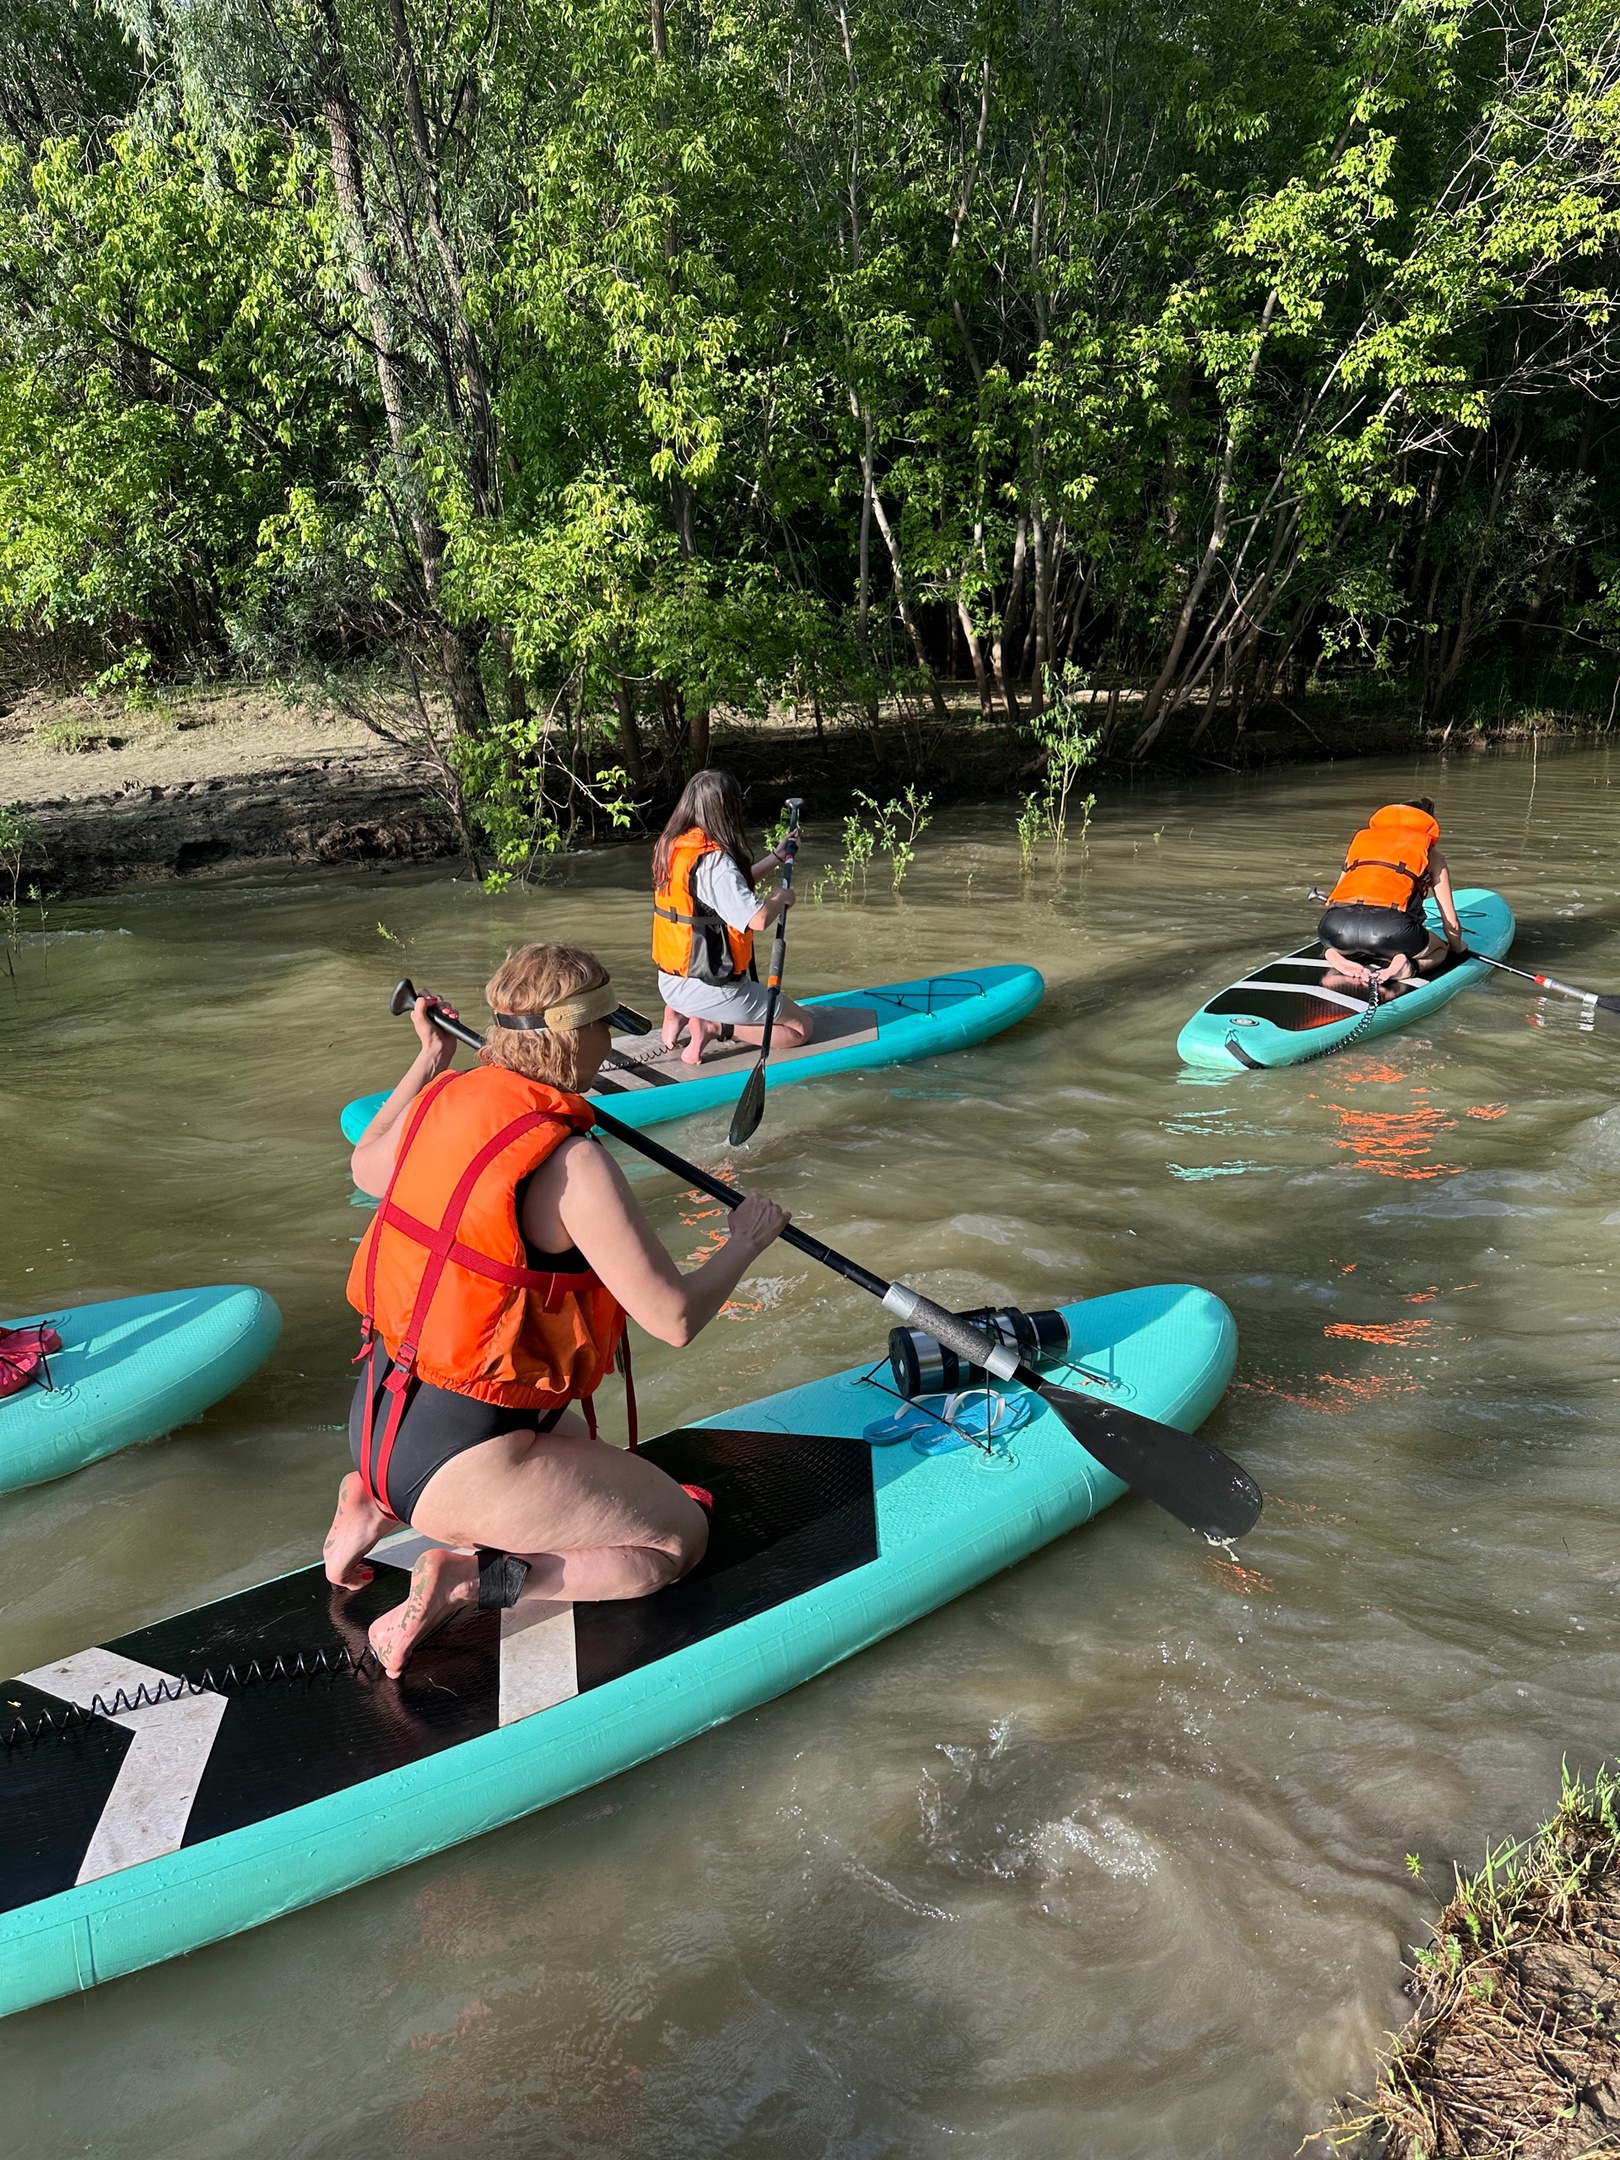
pixel 792 1510
pixel 1285 1009
pixel 1295 1010
pixel 51 1797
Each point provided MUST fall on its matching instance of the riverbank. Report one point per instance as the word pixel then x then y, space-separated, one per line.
pixel 214 778
pixel 1514 2051
pixel 116 796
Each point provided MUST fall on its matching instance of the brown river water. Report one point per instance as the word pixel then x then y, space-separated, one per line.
pixel 1107 1859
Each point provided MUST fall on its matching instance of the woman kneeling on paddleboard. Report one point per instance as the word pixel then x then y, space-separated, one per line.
pixel 705 919
pixel 1373 929
pixel 493 1285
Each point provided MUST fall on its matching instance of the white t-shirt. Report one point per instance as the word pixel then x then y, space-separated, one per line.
pixel 720 885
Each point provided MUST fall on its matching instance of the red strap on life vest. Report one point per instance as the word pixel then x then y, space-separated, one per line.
pixel 443 1246
pixel 555 1287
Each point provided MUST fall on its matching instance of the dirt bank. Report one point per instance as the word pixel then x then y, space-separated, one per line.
pixel 1514 2051
pixel 210 778
pixel 117 796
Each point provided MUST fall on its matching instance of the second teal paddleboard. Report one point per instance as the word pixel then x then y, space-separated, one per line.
pixel 128 1370
pixel 1286 1012
pixel 855 1030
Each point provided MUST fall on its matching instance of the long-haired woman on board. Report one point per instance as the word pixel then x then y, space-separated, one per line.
pixel 706 915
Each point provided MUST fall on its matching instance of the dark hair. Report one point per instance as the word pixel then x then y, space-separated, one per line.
pixel 1422 802
pixel 713 800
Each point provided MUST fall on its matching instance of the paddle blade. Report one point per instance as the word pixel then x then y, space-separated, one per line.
pixel 750 1107
pixel 1184 1475
pixel 1608 1004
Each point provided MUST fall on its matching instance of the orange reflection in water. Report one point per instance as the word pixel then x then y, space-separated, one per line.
pixel 1395 1143
pixel 1378 1331
pixel 1241 1581
pixel 1349 1394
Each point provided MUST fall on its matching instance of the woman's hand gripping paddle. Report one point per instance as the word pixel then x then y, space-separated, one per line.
pixel 623 1017
pixel 1184 1475
pixel 751 1103
pixel 1549 982
pixel 1181 1473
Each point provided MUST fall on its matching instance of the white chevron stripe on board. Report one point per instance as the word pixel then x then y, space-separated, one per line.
pixel 150 1804
pixel 538 1663
pixel 1334 997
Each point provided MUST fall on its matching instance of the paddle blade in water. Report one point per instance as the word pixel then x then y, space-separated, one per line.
pixel 750 1107
pixel 1184 1475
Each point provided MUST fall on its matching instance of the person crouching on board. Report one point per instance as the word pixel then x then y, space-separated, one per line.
pixel 494 1284
pixel 705 919
pixel 1373 929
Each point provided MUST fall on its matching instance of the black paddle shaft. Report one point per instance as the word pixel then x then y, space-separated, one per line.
pixel 773 991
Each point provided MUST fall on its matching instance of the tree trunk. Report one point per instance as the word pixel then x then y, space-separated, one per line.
pixel 635 763
pixel 458 651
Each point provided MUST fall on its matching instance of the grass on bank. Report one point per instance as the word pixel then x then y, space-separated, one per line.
pixel 1514 2050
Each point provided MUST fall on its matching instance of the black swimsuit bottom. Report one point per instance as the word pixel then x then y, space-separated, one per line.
pixel 1371 934
pixel 437 1423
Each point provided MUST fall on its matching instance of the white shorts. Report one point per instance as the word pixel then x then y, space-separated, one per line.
pixel 734 1004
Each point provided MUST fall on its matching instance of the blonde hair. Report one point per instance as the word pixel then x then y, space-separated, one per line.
pixel 528 980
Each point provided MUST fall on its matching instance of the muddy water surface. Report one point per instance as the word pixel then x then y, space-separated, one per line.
pixel 1105 1860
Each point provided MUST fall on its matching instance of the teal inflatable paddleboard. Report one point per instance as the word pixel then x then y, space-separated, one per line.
pixel 150 1826
pixel 128 1370
pixel 855 1030
pixel 1285 1013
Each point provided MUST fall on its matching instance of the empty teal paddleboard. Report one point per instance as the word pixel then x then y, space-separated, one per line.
pixel 128 1370
pixel 1283 1013
pixel 856 1030
pixel 154 1827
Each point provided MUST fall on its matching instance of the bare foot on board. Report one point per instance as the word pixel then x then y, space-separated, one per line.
pixel 673 1023
pixel 442 1583
pixel 356 1527
pixel 702 1033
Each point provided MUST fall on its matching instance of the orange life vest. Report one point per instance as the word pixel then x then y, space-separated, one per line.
pixel 442 1278
pixel 687 937
pixel 1388 862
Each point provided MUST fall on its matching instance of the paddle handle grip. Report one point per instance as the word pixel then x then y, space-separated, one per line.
pixel 458 1028
pixel 912 1309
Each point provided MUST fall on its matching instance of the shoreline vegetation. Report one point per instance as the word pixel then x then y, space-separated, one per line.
pixel 574 378
pixel 110 790
pixel 1513 2052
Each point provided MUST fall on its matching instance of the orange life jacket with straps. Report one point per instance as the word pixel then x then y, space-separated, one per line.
pixel 688 938
pixel 1388 861
pixel 442 1278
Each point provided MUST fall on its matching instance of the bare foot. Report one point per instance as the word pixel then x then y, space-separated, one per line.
pixel 441 1583
pixel 673 1023
pixel 356 1527
pixel 702 1034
